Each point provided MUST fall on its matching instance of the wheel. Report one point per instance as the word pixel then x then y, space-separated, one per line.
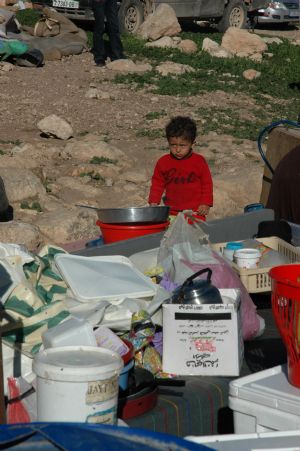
pixel 131 16
pixel 235 15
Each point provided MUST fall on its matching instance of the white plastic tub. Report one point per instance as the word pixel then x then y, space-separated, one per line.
pixel 77 383
pixel 265 401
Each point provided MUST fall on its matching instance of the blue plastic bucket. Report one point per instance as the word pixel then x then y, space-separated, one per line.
pixel 123 378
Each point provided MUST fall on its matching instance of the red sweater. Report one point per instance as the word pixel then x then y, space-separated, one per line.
pixel 187 183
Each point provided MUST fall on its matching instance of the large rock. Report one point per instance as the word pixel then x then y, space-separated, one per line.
pixel 164 42
pixel 55 126
pixel 251 74
pixel 169 67
pixel 233 193
pixel 163 22
pixel 91 146
pixel 63 226
pixel 188 46
pixel 75 190
pixel 21 184
pixel 127 65
pixel 20 233
pixel 214 49
pixel 240 41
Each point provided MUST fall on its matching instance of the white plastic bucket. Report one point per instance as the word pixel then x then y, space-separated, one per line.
pixel 77 383
pixel 247 258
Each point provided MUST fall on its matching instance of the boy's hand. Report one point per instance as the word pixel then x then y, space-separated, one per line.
pixel 203 209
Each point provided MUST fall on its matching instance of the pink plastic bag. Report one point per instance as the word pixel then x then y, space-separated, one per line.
pixel 223 276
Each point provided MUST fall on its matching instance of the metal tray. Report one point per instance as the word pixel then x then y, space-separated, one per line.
pixel 131 214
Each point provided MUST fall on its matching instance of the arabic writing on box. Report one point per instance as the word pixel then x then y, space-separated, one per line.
pixel 203 360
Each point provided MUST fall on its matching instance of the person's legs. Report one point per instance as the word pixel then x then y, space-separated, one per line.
pixel 111 14
pixel 98 50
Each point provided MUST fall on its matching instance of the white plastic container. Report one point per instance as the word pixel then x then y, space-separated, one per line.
pixel 269 441
pixel 77 383
pixel 265 401
pixel 247 258
pixel 72 332
pixel 230 249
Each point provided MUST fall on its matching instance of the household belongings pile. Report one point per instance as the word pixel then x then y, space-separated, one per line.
pixel 44 290
pixel 52 37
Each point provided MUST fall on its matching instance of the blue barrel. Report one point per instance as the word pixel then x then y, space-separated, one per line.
pixel 89 437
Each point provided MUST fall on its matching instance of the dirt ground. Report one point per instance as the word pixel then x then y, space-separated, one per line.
pixel 29 94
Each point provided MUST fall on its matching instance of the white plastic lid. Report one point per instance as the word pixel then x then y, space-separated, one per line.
pixel 77 363
pixel 103 277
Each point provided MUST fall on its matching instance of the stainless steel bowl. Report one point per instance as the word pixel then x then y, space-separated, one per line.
pixel 131 214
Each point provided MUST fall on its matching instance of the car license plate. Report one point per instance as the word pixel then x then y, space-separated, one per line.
pixel 294 13
pixel 66 4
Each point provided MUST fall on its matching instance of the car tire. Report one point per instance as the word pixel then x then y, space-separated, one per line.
pixel 235 15
pixel 131 16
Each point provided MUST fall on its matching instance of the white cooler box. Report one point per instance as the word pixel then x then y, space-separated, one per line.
pixel 203 340
pixel 265 401
pixel 268 441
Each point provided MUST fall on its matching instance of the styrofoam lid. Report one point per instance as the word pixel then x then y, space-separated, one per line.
pixel 109 277
pixel 77 363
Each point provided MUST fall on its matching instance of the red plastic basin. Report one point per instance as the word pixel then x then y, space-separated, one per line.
pixel 118 232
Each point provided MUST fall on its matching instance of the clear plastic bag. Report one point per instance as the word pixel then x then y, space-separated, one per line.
pixel 183 243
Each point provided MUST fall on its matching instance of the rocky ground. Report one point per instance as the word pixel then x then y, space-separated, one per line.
pixel 46 177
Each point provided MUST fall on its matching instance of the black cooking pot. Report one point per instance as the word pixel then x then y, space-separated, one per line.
pixel 197 292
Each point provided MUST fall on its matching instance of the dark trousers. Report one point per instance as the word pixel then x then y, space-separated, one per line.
pixel 106 9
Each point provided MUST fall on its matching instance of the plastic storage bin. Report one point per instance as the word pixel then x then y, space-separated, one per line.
pixel 265 401
pixel 257 280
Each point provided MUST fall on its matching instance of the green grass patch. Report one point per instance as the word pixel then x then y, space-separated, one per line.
pixel 278 85
pixel 150 133
pixel 25 205
pixel 101 160
pixel 93 176
pixel 155 115
pixel 15 142
pixel 228 121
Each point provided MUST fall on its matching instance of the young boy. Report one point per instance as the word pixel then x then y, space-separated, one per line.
pixel 183 175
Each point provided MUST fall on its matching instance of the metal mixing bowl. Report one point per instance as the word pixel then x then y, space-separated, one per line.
pixel 131 214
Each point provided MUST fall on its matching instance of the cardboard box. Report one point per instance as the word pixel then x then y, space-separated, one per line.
pixel 203 340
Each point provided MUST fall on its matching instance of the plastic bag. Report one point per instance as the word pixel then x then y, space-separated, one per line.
pixel 182 254
pixel 20 410
pixel 183 243
pixel 223 276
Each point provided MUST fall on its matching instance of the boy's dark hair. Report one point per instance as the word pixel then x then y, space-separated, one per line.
pixel 182 126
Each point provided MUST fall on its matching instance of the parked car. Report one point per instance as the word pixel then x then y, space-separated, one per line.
pixel 280 12
pixel 224 13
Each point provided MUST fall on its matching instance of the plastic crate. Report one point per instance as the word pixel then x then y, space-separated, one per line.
pixel 257 280
pixel 265 402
